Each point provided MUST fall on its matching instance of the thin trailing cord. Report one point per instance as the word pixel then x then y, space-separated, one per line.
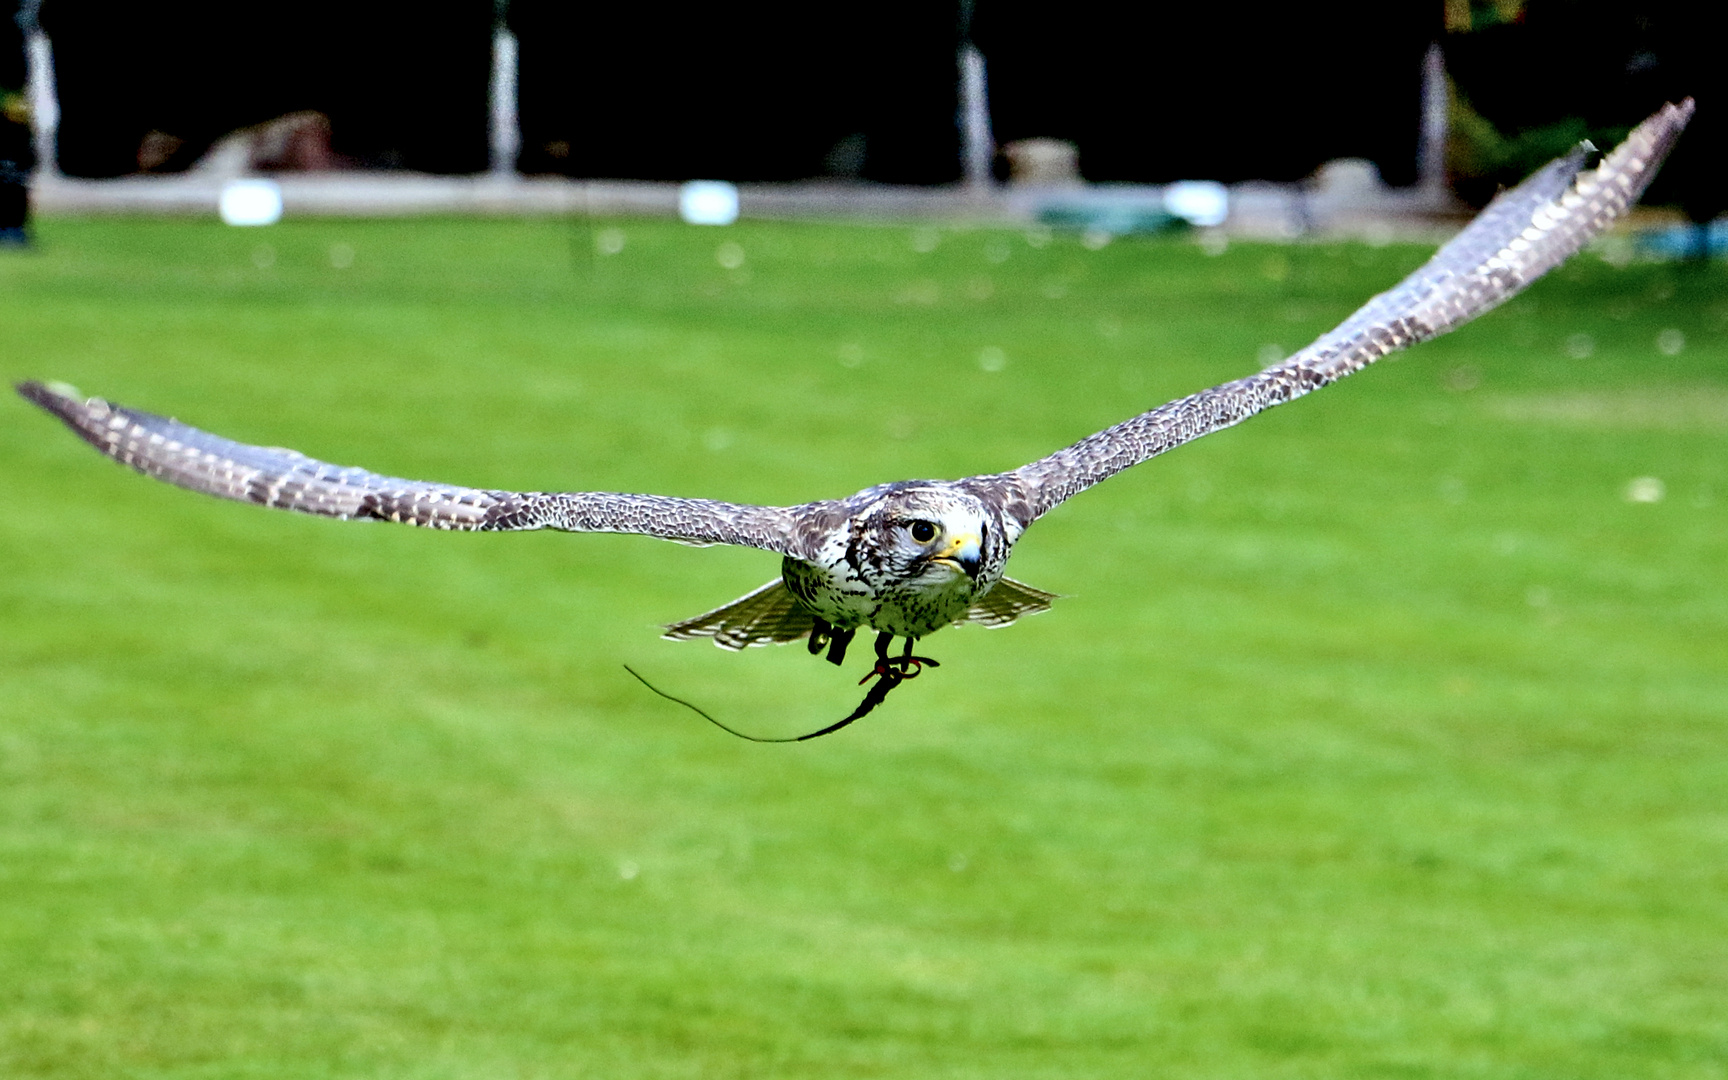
pixel 875 697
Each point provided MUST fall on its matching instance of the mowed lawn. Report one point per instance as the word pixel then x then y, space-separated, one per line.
pixel 1383 736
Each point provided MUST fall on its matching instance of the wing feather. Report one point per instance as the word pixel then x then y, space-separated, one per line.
pixel 770 615
pixel 286 479
pixel 1519 237
pixel 1007 601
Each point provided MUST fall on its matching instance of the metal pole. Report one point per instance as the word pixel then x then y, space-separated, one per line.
pixel 506 124
pixel 44 101
pixel 978 146
pixel 1431 160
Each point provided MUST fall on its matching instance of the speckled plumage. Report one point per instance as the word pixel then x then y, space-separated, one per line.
pixel 909 558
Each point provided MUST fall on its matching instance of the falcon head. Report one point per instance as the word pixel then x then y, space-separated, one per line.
pixel 931 537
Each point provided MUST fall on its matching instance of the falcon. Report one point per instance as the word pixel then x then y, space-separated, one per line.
pixel 906 559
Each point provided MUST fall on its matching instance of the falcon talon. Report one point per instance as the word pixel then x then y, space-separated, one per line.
pixel 899 668
pixel 889 672
pixel 909 558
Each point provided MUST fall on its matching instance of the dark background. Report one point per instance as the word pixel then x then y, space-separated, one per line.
pixel 1160 92
pixel 1565 69
pixel 775 90
pixel 759 91
pixel 404 83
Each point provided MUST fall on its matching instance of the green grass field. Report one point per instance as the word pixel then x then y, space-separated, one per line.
pixel 1384 736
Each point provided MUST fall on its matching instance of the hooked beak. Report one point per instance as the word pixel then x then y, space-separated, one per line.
pixel 963 551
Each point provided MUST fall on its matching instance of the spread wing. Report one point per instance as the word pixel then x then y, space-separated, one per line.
pixel 270 476
pixel 1519 237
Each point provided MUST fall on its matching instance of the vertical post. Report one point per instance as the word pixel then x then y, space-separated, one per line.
pixel 44 102
pixel 1431 155
pixel 506 128
pixel 978 146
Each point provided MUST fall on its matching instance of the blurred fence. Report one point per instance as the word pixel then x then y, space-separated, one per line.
pixel 903 92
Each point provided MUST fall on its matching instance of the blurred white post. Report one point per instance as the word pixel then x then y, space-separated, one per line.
pixel 44 102
pixel 1431 157
pixel 978 146
pixel 506 125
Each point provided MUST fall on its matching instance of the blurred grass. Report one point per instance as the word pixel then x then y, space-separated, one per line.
pixel 1382 736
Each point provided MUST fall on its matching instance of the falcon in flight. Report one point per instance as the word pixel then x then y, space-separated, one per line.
pixel 909 558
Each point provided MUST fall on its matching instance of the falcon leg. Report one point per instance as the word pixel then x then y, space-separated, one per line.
pixel 823 635
pixel 819 634
pixel 837 646
pixel 884 664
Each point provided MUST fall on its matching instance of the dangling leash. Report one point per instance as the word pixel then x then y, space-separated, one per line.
pixel 893 670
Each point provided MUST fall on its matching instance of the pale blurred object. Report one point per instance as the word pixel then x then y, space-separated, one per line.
pixel 1043 163
pixel 1349 180
pixel 708 202
pixel 1205 203
pixel 1646 489
pixel 250 202
pixel 609 241
pixel 295 142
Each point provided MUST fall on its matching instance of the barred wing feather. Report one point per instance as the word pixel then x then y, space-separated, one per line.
pixel 286 479
pixel 770 615
pixel 1520 236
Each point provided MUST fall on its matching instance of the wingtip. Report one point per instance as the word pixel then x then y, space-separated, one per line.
pixel 1661 127
pixel 1651 141
pixel 37 393
pixel 1678 114
pixel 1666 123
pixel 36 388
pixel 61 399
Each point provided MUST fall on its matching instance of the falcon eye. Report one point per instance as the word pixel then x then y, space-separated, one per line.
pixel 923 531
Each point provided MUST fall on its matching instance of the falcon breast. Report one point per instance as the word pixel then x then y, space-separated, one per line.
pixel 913 559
